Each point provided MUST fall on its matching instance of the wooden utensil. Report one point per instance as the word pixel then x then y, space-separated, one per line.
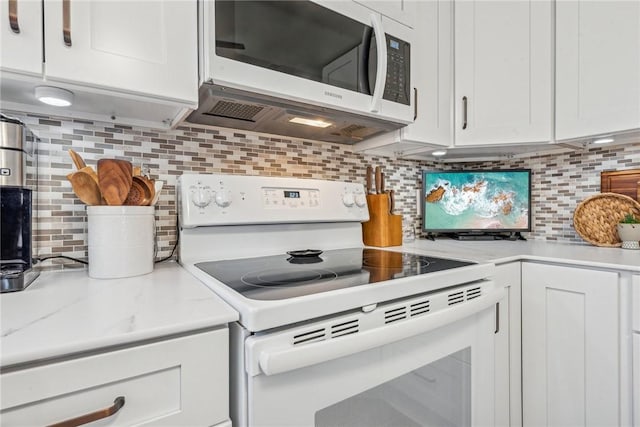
pixel 150 183
pixel 140 193
pixel 115 180
pixel 92 173
pixel 77 159
pixel 85 187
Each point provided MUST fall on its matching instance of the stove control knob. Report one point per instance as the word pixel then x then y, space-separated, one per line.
pixel 201 196
pixel 223 198
pixel 348 199
pixel 361 200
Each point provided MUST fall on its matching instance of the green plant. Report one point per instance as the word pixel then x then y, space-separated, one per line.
pixel 629 219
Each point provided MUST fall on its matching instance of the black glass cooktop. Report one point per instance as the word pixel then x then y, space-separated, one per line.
pixel 301 273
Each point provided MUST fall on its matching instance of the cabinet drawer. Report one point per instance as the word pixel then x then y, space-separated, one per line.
pixel 182 381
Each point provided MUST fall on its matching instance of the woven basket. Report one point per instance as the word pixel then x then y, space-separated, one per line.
pixel 596 217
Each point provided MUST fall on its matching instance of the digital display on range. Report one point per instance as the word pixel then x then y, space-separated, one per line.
pixel 394 44
pixel 291 194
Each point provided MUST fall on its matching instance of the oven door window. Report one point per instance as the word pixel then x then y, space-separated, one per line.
pixel 438 394
pixel 299 38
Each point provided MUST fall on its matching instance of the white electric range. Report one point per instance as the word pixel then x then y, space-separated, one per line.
pixel 326 324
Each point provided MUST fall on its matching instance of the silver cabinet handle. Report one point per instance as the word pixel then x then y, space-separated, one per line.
pixel 93 416
pixel 415 105
pixel 464 112
pixel 497 318
pixel 13 16
pixel 66 22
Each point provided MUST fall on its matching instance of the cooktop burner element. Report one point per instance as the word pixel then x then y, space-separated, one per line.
pixel 284 276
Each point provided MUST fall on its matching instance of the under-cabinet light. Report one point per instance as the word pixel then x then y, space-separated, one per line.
pixel 439 153
pixel 603 140
pixel 54 96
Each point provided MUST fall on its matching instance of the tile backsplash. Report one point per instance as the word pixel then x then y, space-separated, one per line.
pixel 560 181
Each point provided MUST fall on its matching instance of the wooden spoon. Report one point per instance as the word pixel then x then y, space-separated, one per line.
pixel 89 170
pixel 114 179
pixel 77 160
pixel 139 194
pixel 85 187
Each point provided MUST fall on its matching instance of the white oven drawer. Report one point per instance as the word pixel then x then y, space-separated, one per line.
pixel 182 381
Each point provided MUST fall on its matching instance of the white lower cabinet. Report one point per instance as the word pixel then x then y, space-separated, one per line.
pixel 570 346
pixel 507 365
pixel 176 382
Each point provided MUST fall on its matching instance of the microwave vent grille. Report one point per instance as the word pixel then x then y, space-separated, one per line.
pixel 235 110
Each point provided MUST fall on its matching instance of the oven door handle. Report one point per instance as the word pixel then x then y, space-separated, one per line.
pixel 277 361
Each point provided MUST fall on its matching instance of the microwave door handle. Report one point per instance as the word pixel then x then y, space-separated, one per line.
pixel 272 362
pixel 363 68
pixel 381 70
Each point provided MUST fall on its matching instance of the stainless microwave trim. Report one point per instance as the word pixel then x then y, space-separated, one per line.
pixel 237 109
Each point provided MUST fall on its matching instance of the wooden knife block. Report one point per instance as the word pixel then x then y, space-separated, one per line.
pixel 382 229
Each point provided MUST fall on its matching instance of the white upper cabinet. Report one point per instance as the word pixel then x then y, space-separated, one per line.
pixel 21 36
pixel 432 82
pixel 597 67
pixel 503 72
pixel 134 62
pixel 402 11
pixel 147 47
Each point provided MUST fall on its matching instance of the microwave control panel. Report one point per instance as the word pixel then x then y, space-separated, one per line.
pixel 397 88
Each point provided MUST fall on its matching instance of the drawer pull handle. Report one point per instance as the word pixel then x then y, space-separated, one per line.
pixel 66 22
pixel 13 16
pixel 93 416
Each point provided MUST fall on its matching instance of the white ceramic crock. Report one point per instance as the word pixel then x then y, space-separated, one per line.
pixel 121 241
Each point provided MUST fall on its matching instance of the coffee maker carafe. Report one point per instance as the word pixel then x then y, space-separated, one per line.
pixel 16 272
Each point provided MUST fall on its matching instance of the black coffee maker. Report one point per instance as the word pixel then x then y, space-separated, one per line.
pixel 16 272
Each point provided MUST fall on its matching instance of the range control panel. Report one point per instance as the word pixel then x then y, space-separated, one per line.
pixel 290 198
pixel 237 199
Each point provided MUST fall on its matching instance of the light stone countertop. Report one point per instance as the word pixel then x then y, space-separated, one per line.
pixel 67 312
pixel 502 251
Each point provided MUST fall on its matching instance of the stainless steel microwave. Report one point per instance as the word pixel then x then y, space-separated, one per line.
pixel 299 54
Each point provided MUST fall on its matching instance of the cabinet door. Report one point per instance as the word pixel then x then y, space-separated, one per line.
pixel 142 47
pixel 432 74
pixel 502 71
pixel 597 67
pixel 570 346
pixel 507 363
pixel 21 36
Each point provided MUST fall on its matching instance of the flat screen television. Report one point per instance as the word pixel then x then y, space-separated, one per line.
pixel 484 202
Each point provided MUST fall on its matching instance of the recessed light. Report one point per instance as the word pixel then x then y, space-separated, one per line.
pixel 310 122
pixel 603 140
pixel 438 153
pixel 54 96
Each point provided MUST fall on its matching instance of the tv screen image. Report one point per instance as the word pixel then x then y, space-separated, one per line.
pixel 471 201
